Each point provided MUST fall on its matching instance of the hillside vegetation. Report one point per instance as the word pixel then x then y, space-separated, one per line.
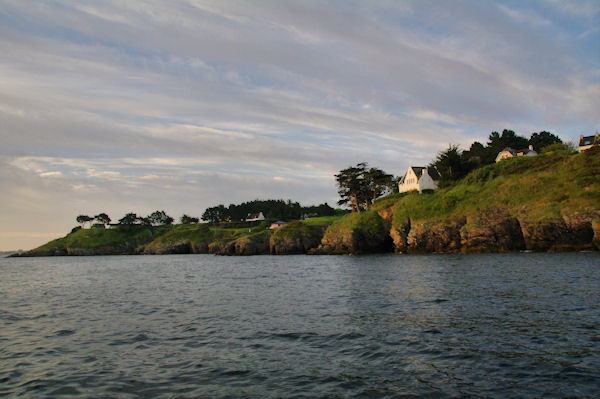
pixel 541 187
pixel 547 202
pixel 550 202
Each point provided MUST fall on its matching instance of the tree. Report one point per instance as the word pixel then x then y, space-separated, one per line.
pixel 351 186
pixel 359 186
pixel 379 183
pixel 508 139
pixel 158 218
pixel 129 219
pixel 543 139
pixel 450 165
pixel 215 214
pixel 102 218
pixel 83 219
pixel 185 219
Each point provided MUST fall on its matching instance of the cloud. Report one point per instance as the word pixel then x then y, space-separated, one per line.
pixel 128 105
pixel 51 174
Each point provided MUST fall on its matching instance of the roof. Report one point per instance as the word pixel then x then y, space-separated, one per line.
pixel 431 171
pixel 521 151
pixel 589 140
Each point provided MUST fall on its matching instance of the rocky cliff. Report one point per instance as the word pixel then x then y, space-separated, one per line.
pixel 491 230
pixel 296 238
pixel 365 232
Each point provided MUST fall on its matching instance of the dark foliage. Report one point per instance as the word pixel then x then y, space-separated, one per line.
pixel 359 186
pixel 271 209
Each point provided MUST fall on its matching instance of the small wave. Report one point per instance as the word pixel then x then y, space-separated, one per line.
pixel 64 333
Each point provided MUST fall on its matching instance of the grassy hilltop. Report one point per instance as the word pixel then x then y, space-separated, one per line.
pixel 178 238
pixel 547 202
pixel 538 200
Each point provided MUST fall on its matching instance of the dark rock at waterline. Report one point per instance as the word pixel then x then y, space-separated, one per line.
pixel 295 238
pixel 435 237
pixel 491 231
pixel 255 244
pixel 365 232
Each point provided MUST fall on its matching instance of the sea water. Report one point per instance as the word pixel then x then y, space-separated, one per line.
pixel 493 325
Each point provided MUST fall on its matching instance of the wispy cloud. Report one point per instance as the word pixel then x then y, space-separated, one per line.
pixel 140 105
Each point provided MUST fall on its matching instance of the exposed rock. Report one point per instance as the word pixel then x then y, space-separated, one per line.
pixel 178 247
pixel 364 232
pixel 596 228
pixel 435 237
pixel 295 238
pixel 570 233
pixel 255 244
pixel 387 214
pixel 399 234
pixel 493 230
pixel 168 248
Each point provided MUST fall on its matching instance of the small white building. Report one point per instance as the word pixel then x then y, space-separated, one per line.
pixel 255 217
pixel 277 224
pixel 419 178
pixel 587 142
pixel 509 153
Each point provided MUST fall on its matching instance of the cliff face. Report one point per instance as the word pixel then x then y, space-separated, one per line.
pixel 491 230
pixel 295 238
pixel 255 244
pixel 364 232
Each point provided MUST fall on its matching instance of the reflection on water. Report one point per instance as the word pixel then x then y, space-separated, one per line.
pixel 496 325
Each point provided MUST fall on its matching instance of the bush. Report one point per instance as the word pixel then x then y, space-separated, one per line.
pixel 76 228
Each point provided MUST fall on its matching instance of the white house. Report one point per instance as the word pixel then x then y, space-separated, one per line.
pixel 419 178
pixel 587 142
pixel 509 153
pixel 277 224
pixel 255 217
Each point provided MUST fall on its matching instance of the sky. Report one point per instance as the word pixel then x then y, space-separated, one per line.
pixel 136 106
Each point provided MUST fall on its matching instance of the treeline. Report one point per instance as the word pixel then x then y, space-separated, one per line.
pixel 271 209
pixel 453 164
pixel 156 218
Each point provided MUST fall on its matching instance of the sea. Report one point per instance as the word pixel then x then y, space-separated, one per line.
pixel 520 325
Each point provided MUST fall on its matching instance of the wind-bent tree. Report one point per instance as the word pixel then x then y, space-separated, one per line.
pixel 379 183
pixel 102 218
pixel 129 220
pixel 83 219
pixel 158 218
pixel 359 186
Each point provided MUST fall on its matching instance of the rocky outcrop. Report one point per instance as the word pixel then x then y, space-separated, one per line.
pixel 295 238
pixel 435 237
pixel 364 232
pixel 255 244
pixel 569 233
pixel 596 229
pixel 491 231
pixel 178 247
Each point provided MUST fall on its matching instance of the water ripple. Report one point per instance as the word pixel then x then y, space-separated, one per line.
pixel 499 326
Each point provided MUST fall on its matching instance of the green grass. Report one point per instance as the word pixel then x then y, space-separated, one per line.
pixel 536 188
pixel 98 238
pixel 368 222
pixel 322 220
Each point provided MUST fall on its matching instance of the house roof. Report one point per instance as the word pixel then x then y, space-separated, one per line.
pixel 515 152
pixel 589 140
pixel 431 171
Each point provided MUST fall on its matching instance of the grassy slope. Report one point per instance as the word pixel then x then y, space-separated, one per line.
pixel 535 188
pixel 163 235
pixel 98 238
